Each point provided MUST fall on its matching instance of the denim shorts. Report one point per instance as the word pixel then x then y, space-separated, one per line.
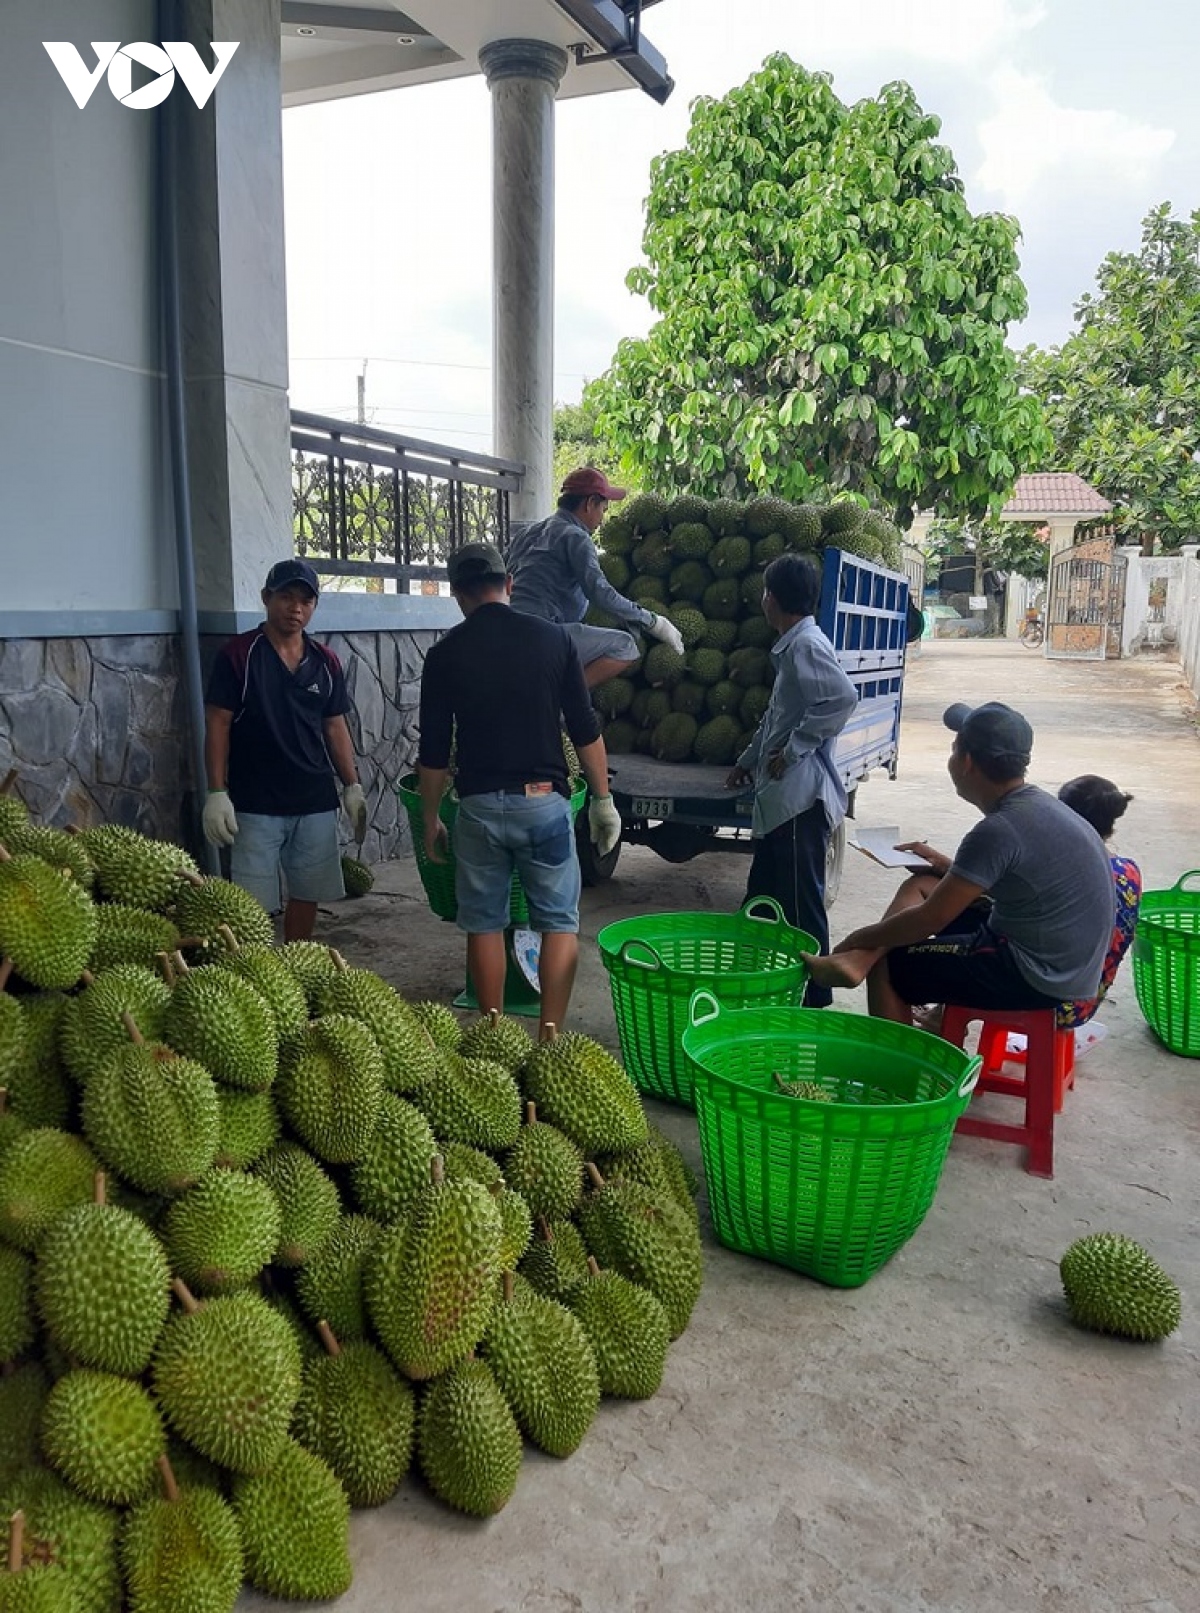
pixel 305 849
pixel 602 643
pixel 498 831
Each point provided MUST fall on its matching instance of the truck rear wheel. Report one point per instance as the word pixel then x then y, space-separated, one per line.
pixel 593 868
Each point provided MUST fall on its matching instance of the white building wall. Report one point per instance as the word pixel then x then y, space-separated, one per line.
pixel 1189 619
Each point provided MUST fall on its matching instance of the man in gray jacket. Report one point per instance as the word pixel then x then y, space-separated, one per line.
pixel 556 575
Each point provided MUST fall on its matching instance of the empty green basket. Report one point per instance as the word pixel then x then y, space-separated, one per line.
pixel 830 1188
pixel 1166 965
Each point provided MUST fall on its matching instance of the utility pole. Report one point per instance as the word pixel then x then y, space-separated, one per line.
pixel 362 395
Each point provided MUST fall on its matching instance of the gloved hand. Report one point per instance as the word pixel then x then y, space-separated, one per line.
pixel 220 820
pixel 354 805
pixel 604 823
pixel 664 629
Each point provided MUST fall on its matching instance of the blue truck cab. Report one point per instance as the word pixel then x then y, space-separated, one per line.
pixel 680 809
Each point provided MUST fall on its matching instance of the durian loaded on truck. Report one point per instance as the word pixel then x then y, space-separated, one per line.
pixel 675 725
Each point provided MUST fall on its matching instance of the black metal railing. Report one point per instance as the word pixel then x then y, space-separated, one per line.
pixel 369 503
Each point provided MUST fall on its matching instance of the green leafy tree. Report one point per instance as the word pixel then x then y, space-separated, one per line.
pixel 1007 546
pixel 830 313
pixel 577 441
pixel 1122 393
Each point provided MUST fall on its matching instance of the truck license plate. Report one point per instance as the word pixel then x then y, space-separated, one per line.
pixel 651 806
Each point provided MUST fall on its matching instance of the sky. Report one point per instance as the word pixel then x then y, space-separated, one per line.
pixel 1076 116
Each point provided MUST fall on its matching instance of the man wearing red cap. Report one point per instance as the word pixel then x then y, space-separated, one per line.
pixel 556 575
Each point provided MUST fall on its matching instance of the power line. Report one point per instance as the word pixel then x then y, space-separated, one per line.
pixel 419 363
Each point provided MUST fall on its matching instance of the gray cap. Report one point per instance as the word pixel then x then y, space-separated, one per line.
pixel 473 561
pixel 993 731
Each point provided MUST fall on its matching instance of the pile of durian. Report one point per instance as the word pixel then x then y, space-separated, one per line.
pixel 271 1234
pixel 701 563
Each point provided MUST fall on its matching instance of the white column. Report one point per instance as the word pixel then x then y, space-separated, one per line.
pixel 523 75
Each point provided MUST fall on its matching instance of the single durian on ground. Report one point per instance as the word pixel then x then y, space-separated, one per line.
pixel 468 1442
pixel 545 1366
pixel 330 1087
pixel 181 1552
pixel 42 1172
pixel 1113 1285
pixel 356 876
pixel 36 1588
pixel 309 1206
pixel 648 1238
pixel 221 1233
pixel 627 1329
pixel 294 1521
pixel 358 1415
pixel 579 1087
pixel 47 922
pixel 64 1529
pixel 104 1434
pixel 546 1168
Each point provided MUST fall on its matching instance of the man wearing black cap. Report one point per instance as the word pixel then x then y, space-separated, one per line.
pixel 276 742
pixel 556 575
pixel 496 685
pixel 1022 915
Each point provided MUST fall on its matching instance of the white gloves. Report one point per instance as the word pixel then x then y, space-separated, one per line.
pixel 604 823
pixel 220 820
pixel 354 805
pixel 664 629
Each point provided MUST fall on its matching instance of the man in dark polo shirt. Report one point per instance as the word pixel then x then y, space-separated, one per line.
pixel 276 744
pixel 501 685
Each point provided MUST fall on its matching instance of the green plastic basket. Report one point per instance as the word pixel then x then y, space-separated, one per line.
pixel 831 1189
pixel 656 961
pixel 1166 965
pixel 438 878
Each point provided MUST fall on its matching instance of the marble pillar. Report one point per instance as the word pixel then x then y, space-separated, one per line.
pixel 523 75
pixel 235 308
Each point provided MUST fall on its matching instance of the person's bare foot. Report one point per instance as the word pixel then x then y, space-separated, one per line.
pixel 844 969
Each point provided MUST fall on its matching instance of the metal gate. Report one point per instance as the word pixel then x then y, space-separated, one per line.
pixel 1085 602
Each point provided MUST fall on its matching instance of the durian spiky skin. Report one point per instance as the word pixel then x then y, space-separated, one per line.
pixel 225 1024
pixel 1114 1285
pixel 330 1087
pixel 153 1116
pixel 133 869
pixel 62 1527
pixel 546 1168
pixel 395 1166
pixel 309 1206
pixel 103 1287
pixel 294 1521
pixel 628 1331
pixel 329 1287
pixel 129 935
pixel 468 1442
pixel 203 907
pixel 47 923
pixel 579 1087
pixel 409 1052
pixel 104 1434
pixel 183 1555
pixel 42 1172
pixel 358 1415
pixel 16 1303
pixel 546 1368
pixel 221 1233
pixel 647 1237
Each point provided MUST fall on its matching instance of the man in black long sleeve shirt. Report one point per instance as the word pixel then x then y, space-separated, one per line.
pixel 500 685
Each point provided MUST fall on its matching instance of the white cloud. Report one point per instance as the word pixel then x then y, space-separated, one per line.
pixel 1031 136
pixel 934 30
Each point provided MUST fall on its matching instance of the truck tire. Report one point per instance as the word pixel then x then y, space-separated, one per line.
pixel 593 868
pixel 835 856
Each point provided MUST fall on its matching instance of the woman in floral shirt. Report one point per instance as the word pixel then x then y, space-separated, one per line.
pixel 1101 803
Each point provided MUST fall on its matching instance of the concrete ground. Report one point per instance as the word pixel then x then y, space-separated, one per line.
pixel 941 1438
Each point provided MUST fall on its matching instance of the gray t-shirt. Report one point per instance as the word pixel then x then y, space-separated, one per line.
pixel 1051 884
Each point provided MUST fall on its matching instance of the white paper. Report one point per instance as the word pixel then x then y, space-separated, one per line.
pixel 880 844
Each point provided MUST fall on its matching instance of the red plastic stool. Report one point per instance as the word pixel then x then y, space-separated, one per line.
pixel 1037 1087
pixel 993 1049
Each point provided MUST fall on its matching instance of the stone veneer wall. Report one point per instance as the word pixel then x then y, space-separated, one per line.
pixel 95 727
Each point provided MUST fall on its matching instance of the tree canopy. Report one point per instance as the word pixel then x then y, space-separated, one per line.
pixel 831 314
pixel 1122 393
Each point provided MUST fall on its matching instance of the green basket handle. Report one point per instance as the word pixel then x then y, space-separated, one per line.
pixel 702 1007
pixel 1183 879
pixel 775 912
pixel 627 956
pixel 967 1085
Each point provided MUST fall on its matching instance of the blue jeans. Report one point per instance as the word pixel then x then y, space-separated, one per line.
pixel 501 830
pixel 305 848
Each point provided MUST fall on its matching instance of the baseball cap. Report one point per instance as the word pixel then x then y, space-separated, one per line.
pixel 285 572
pixel 993 731
pixel 475 560
pixel 588 482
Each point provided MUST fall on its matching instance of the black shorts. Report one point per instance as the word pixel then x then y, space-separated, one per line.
pixel 966 963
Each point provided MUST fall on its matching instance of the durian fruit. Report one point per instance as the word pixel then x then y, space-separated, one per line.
pixel 11 1125
pixel 688 581
pixel 663 666
pixel 38 1089
pixel 1113 1285
pixel 309 1206
pixel 61 850
pixel 64 1530
pixel 103 1286
pixel 294 1521
pixel 266 971
pixel 688 697
pixel 441 1023
pixel 707 666
pixel 730 557
pixel 556 1261
pixel 409 1053
pixel 627 1329
pixel 722 600
pixel 311 963
pixel 674 737
pixel 756 629
pixel 104 1434
pixel 649 592
pixel 94 1025
pixel 395 1166
pixel 23 1391
pixel 543 1361
pixel 652 556
pixel 130 935
pixel 330 1286
pixel 152 1115
pixel 690 623
pixel 614 697
pixel 221 1233
pixel 356 877
pixel 546 1168
pixel 725 517
pixel 813 1091
pixel 619 738
pixel 616 568
pixel 749 667
pixel 14 814
pixel 690 540
pixel 42 1173
pixel 358 1416
pixel 191 1470
pixel 16 1303
pixel 646 1237
pixel 685 510
pixel 37 1588
pixel 330 1087
pixel 247 1127
pixel 579 1087
pixel 720 635
pixel 471 1101
pixel 806 533
pixel 516 1226
pixel 225 1024
pixel 468 1442
pixel 645 512
pixel 659 1164
pixel 462 1163
pixel 768 514
pixel 753 707
pixel 431 1285
pixel 13 1028
pixel 498 1038
pixel 723 699
pixel 134 870
pixel 649 707
pixel 840 519
pixel 47 922
pixel 204 906
pixel 226 1374
pixel 716 742
pixel 181 1552
pixel 768 549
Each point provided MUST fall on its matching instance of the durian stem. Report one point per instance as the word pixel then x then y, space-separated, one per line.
pixel 509 1286
pixel 99 1189
pixel 227 935
pixel 596 1178
pixel 170 1487
pixel 192 941
pixel 493 1015
pixel 190 876
pixel 6 968
pixel 531 1114
pixel 593 1266
pixel 72 829
pixel 10 779
pixel 87 978
pixel 131 1026
pixel 549 1032
pixel 328 1339
pixel 5 855
pixel 16 1541
pixel 179 963
pixel 163 960
pixel 437 1170
pixel 339 963
pixel 3 1100
pixel 545 1230
pixel 184 1295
